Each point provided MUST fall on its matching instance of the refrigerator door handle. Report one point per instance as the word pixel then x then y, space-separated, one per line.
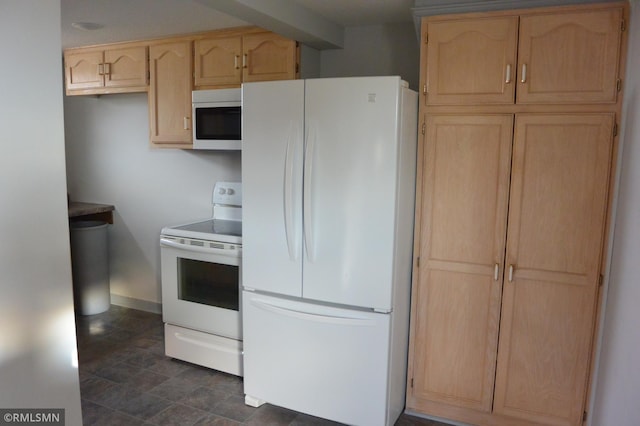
pixel 308 174
pixel 309 316
pixel 288 193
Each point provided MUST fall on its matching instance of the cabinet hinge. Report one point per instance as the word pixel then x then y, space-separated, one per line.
pixel 615 129
pixel 424 129
pixel 426 38
pixel 418 261
pixel 623 25
pixel 584 416
pixel 297 68
pixel 600 280
pixel 619 84
pixel 412 382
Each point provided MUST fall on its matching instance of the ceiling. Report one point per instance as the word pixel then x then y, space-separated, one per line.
pixel 126 20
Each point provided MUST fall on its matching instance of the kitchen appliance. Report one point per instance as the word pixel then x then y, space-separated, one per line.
pixel 328 171
pixel 201 285
pixel 217 116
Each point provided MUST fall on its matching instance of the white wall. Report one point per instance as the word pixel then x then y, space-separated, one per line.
pixel 617 392
pixel 375 50
pixel 109 161
pixel 38 361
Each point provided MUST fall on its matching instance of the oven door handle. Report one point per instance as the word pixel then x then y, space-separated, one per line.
pixel 164 242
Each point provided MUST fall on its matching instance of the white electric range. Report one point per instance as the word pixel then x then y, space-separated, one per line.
pixel 202 283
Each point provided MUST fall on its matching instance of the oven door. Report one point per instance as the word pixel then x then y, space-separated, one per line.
pixel 201 282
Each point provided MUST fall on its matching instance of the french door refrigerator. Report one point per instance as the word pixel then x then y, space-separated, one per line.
pixel 328 173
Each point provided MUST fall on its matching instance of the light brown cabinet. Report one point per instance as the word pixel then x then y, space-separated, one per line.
pixel 456 303
pixel 541 297
pixel 106 70
pixel 512 213
pixel 569 56
pixel 218 62
pixel 229 61
pixel 171 69
pixel 268 57
pixel 557 217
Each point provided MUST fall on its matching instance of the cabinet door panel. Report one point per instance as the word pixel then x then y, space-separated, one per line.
pixel 268 56
pixel 569 57
pixel 218 61
pixel 126 67
pixel 82 70
pixel 469 61
pixel 464 205
pixel 557 212
pixel 170 93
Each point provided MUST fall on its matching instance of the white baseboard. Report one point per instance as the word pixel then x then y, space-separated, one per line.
pixel 141 305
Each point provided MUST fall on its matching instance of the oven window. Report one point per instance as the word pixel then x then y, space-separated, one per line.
pixel 212 284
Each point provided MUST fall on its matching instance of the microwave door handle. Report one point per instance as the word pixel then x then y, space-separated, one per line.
pixel 196 249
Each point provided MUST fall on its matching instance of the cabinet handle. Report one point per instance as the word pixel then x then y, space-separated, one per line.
pixel 100 69
pixel 511 273
pixel 496 270
pixel 186 123
pixel 235 62
pixel 524 73
pixel 244 60
pixel 508 74
pixel 107 68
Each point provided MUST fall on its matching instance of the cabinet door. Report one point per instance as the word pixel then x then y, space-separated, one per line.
pixel 170 93
pixel 126 67
pixel 463 225
pixel 569 57
pixel 267 56
pixel 218 62
pixel 82 70
pixel 557 218
pixel 471 61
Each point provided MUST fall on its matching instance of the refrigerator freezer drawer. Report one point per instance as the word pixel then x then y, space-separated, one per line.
pixel 319 360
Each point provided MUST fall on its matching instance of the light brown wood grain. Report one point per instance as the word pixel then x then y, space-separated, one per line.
pixel 465 186
pixel 218 61
pixel 127 67
pixel 569 57
pixel 557 236
pixel 554 242
pixel 170 93
pixel 268 56
pixel 470 59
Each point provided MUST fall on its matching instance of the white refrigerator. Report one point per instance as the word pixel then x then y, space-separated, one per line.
pixel 328 173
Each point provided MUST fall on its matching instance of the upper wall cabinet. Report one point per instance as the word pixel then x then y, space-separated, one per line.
pixel 217 62
pixel 471 61
pixel 569 57
pixel 170 94
pixel 106 70
pixel 268 56
pixel 562 57
pixel 231 60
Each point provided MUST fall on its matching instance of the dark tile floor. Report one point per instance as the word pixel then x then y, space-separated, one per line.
pixel 125 379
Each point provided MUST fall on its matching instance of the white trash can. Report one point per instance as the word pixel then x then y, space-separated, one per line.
pixel 90 266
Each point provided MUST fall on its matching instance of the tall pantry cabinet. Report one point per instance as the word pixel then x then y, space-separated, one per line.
pixel 518 117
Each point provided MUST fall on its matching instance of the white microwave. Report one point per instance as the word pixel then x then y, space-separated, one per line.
pixel 217 119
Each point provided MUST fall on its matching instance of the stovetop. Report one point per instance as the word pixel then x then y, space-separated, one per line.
pixel 228 231
pixel 226 223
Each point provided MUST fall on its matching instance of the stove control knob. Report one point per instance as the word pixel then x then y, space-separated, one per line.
pixel 230 191
pixel 222 191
